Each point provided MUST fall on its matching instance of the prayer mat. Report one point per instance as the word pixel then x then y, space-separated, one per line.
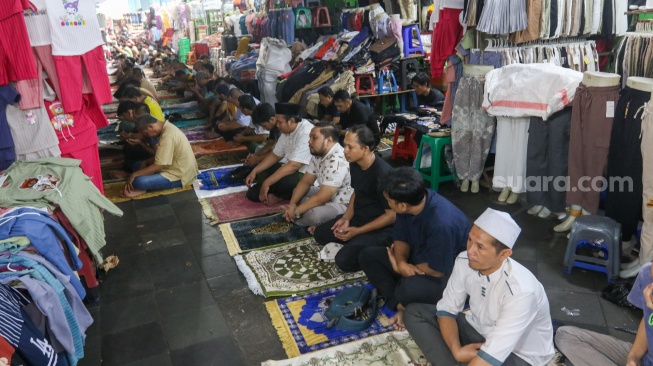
pixel 167 97
pixel 391 348
pixel 212 147
pixel 112 192
pixel 302 326
pixel 110 108
pixel 243 236
pixel 290 269
pixel 188 123
pixel 221 159
pixel 220 178
pixel 235 206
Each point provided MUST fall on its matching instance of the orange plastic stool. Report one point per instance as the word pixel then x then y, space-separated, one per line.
pixel 191 58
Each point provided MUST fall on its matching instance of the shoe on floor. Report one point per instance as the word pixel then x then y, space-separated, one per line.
pixel 630 272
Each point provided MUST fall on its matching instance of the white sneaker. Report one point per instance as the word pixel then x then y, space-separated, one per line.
pixel 513 198
pixel 535 210
pixel 464 186
pixel 630 272
pixel 629 265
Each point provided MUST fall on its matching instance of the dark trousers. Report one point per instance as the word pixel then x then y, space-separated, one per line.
pixel 395 288
pixel 547 159
pixel 347 257
pixel 229 135
pixel 625 162
pixel 422 324
pixel 283 188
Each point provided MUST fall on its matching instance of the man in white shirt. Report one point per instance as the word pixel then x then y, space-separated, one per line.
pixel 509 322
pixel 275 182
pixel 312 205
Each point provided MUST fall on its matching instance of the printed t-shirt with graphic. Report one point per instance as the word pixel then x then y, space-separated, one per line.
pixel 176 155
pixel 332 170
pixel 74 27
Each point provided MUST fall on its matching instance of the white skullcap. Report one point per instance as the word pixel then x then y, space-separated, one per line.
pixel 500 225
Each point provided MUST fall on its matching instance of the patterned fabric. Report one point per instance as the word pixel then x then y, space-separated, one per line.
pixel 388 349
pixel 212 147
pixel 302 325
pixel 235 206
pixel 258 233
pixel 214 179
pixel 220 159
pixel 333 170
pixel 290 269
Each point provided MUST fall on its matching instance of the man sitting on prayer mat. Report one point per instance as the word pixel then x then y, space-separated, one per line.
pixel 253 135
pixel 368 220
pixel 311 205
pixel 263 118
pixel 174 162
pixel 270 182
pixel 429 233
pixel 508 322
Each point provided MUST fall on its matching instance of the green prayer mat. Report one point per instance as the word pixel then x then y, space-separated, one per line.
pixel 243 236
pixel 290 269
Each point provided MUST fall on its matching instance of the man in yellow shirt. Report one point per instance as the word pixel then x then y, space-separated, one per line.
pixel 174 162
pixel 135 95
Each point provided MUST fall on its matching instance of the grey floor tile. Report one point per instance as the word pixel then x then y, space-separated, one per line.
pixel 216 352
pixel 217 265
pixel 92 351
pixel 187 328
pixel 156 225
pixel 203 247
pixel 133 344
pixel 150 202
pixel 173 266
pixel 588 305
pixel 128 313
pixel 551 275
pixel 130 278
pixel 124 244
pixel 228 287
pixel 617 316
pixel 154 212
pixel 163 239
pixel 185 298
pixel 158 360
pixel 95 328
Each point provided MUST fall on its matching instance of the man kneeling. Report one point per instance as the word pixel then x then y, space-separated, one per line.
pixel 312 205
pixel 174 163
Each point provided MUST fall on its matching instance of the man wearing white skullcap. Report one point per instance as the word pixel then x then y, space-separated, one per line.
pixel 509 322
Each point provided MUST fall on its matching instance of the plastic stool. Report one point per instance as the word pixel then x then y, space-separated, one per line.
pixel 597 233
pixel 404 67
pixel 364 77
pixel 403 107
pixel 314 3
pixel 322 12
pixel 408 33
pixel 439 171
pixel 407 148
pixel 298 21
pixel 389 79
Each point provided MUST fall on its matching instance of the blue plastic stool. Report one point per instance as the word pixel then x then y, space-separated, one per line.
pixel 596 234
pixel 407 35
pixel 439 171
pixel 389 78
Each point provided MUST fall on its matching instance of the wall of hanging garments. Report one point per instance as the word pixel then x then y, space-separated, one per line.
pixel 633 55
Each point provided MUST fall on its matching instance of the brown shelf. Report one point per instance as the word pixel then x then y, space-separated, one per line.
pixel 639 11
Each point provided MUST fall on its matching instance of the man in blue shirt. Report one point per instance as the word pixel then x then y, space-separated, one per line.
pixel 587 348
pixel 429 233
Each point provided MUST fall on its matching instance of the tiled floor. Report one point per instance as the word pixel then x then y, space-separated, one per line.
pixel 177 298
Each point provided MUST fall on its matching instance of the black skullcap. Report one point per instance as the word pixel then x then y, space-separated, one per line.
pixel 287 109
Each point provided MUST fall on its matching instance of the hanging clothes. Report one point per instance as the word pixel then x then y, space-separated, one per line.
pixel 16 61
pixel 510 160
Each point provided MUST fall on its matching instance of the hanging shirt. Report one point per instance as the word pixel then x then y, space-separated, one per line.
pixel 8 95
pixel 74 27
pixel 509 308
pixel 38 24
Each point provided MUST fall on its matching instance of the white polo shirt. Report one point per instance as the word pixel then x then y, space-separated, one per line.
pixel 294 146
pixel 509 308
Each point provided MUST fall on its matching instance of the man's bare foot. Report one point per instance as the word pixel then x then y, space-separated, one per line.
pixel 311 230
pixel 118 174
pixel 273 200
pixel 212 135
pixel 398 321
pixel 133 193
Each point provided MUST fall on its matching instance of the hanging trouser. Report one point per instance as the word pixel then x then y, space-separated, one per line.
pixel 546 164
pixel 589 141
pixel 623 202
pixel 646 251
pixel 510 161
pixel 472 129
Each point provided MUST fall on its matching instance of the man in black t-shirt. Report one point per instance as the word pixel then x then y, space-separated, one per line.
pixel 368 220
pixel 354 112
pixel 326 110
pixel 426 95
